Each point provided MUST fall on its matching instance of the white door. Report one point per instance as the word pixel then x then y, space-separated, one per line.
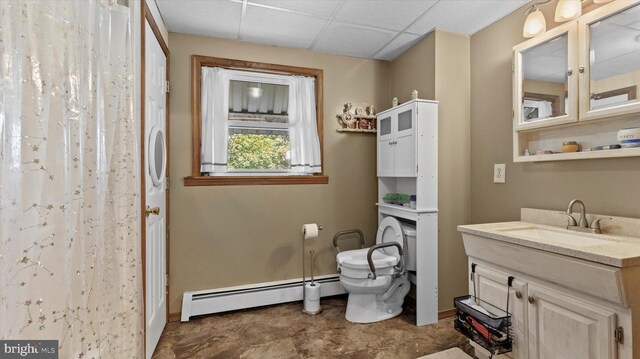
pixel 155 182
pixel 561 327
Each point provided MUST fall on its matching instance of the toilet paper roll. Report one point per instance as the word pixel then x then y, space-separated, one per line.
pixel 310 230
pixel 312 297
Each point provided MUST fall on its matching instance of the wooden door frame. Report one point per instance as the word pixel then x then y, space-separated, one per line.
pixel 147 16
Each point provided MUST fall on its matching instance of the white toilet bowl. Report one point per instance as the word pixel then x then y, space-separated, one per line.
pixel 377 294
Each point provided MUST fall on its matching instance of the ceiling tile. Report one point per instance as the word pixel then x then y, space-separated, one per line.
pixel 399 45
pixel 393 15
pixel 464 16
pixel 275 27
pixel 322 8
pixel 209 18
pixel 352 40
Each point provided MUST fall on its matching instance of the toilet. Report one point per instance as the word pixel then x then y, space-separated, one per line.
pixel 378 295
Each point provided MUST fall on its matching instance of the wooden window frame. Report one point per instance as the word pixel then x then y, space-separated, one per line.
pixel 197 178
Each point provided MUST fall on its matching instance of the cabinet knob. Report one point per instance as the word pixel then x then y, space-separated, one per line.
pixel 581 69
pixel 518 294
pixel 569 72
pixel 532 299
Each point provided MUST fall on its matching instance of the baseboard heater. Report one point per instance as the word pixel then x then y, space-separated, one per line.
pixel 249 296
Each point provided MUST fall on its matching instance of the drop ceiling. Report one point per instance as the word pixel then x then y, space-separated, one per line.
pixel 373 29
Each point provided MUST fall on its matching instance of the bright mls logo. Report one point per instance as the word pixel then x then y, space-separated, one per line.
pixel 28 349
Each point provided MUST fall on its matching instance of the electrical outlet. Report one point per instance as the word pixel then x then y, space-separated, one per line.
pixel 499 173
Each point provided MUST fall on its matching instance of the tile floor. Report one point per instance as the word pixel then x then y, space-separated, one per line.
pixel 283 331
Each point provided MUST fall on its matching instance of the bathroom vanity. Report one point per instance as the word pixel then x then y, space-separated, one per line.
pixel 572 294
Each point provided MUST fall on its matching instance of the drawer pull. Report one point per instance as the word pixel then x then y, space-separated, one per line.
pixel 518 294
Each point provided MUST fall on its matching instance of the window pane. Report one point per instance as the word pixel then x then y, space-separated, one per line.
pixel 258 150
pixel 254 101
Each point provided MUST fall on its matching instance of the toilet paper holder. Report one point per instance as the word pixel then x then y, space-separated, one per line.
pixel 304 278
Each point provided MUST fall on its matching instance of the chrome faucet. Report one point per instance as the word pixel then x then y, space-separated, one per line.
pixel 582 225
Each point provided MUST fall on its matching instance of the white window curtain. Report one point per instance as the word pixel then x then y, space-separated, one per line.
pixel 303 134
pixel 215 110
pixel 70 261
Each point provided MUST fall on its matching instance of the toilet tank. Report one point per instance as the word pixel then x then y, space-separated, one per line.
pixel 409 231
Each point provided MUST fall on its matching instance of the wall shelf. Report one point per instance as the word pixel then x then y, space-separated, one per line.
pixel 358 130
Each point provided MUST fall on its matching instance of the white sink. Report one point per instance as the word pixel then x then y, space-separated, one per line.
pixel 558 237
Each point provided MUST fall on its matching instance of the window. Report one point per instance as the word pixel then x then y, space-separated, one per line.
pixel 255 123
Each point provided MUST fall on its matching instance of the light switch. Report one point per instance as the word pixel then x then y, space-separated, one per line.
pixel 499 173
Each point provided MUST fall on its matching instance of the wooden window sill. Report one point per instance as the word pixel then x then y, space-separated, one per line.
pixel 253 180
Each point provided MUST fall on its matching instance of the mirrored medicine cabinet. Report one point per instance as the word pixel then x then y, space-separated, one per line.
pixel 579 82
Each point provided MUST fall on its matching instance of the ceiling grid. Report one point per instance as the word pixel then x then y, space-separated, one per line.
pixel 373 29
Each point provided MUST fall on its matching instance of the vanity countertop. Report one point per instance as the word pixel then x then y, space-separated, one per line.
pixel 613 250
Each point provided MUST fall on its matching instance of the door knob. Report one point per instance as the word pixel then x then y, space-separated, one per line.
pixel 532 299
pixel 154 210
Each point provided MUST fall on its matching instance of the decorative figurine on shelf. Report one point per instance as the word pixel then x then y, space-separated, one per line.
pixel 394 102
pixel 346 118
pixel 364 123
pixel 359 111
pixel 371 111
pixel 414 94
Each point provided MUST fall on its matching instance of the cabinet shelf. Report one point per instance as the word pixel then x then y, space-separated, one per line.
pixel 622 152
pixel 403 212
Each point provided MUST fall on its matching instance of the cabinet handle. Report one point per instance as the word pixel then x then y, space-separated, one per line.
pixel 518 294
pixel 532 299
pixel 569 72
pixel 581 69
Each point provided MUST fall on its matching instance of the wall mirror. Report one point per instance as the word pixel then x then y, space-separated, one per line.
pixel 545 80
pixel 614 60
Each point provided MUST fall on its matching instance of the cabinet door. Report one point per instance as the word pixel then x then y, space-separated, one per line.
pixel 610 60
pixel 405 143
pixel 386 148
pixel 561 327
pixel 545 79
pixel 491 286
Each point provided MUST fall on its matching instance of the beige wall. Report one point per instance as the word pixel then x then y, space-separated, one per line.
pixel 232 235
pixel 415 69
pixel 438 67
pixel 605 185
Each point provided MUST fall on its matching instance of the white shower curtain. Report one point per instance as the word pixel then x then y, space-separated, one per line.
pixel 70 267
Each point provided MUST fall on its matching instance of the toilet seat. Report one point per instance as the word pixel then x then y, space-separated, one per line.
pixel 390 231
pixel 357 259
pixel 354 263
